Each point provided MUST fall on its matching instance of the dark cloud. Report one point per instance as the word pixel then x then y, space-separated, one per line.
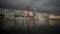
pixel 51 6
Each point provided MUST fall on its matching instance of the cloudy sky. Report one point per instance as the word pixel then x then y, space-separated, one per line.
pixel 51 6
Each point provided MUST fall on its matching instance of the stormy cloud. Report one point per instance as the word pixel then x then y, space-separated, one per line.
pixel 51 6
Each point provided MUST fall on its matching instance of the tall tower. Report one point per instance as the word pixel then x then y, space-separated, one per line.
pixel 34 12
pixel 28 18
pixel 34 20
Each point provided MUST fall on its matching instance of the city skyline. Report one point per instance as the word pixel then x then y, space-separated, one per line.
pixel 49 6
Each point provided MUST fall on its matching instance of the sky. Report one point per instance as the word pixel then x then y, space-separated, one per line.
pixel 50 6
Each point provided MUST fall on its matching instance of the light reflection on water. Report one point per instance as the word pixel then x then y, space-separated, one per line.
pixel 42 26
pixel 15 24
pixel 52 23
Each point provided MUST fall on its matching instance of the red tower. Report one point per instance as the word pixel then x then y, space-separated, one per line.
pixel 28 18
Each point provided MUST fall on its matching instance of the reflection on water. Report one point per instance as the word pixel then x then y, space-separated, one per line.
pixel 40 26
pixel 52 23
